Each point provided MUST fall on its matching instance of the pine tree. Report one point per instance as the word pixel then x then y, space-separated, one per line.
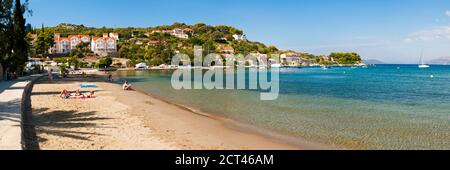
pixel 20 44
pixel 5 34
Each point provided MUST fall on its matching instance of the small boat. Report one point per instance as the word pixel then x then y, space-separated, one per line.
pixel 325 67
pixel 141 66
pixel 275 65
pixel 422 65
pixel 362 65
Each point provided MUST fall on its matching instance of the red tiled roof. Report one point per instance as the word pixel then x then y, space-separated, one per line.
pixel 61 39
pixel 104 38
pixel 228 48
pixel 78 36
pixel 153 41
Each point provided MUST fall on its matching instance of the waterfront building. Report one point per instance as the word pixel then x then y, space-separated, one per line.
pixel 177 32
pixel 105 45
pixel 239 37
pixel 99 45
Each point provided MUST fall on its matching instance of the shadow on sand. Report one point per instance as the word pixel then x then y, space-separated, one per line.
pixel 62 124
pixel 58 92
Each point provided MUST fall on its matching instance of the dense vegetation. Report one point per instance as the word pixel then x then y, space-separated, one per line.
pixel 133 43
pixel 346 58
pixel 13 44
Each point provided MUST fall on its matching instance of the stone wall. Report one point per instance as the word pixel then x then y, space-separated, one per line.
pixel 29 139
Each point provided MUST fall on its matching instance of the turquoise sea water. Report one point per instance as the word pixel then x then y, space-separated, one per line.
pixel 380 107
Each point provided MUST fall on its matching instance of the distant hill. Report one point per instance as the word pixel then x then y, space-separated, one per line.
pixel 372 61
pixel 135 43
pixel 442 60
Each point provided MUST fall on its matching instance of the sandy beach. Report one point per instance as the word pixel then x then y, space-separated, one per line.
pixel 118 119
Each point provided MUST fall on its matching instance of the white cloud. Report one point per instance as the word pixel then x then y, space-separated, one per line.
pixel 436 33
pixel 447 13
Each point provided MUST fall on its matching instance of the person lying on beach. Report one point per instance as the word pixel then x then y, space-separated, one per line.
pixel 126 86
pixel 85 96
pixel 77 93
pixel 65 94
pixel 91 94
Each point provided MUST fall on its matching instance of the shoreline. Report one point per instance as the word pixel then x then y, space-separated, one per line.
pixel 240 126
pixel 237 125
pixel 249 128
pixel 172 125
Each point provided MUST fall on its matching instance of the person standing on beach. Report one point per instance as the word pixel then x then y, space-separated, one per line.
pixel 50 76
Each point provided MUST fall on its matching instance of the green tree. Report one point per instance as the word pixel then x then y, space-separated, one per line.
pixel 77 53
pixel 20 47
pixel 346 57
pixel 84 47
pixel 43 42
pixel 209 47
pixel 14 47
pixel 106 62
pixel 6 38
pixel 160 54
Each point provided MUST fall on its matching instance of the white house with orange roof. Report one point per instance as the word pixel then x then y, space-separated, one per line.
pixel 239 37
pixel 291 59
pixel 177 32
pixel 99 45
pixel 114 35
pixel 61 46
pixel 148 34
pixel 263 59
pixel 228 49
pixel 77 39
pixel 104 45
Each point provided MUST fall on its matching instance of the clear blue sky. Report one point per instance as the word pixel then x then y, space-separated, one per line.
pixel 389 30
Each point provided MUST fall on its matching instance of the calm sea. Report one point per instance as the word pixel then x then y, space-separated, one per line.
pixel 380 107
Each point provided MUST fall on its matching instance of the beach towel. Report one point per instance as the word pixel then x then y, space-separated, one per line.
pixel 88 86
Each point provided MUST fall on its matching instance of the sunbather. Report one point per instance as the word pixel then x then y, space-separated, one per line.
pixel 90 95
pixel 126 86
pixel 77 93
pixel 65 94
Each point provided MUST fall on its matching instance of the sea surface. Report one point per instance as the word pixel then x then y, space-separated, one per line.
pixel 380 107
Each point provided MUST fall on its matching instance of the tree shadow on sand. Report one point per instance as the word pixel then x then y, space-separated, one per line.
pixel 64 124
pixel 59 92
pixel 9 110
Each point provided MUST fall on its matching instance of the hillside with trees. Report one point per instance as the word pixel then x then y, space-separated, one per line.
pixel 154 46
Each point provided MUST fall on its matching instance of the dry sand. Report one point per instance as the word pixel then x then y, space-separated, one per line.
pixel 118 119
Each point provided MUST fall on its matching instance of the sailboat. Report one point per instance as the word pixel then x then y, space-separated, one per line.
pixel 422 64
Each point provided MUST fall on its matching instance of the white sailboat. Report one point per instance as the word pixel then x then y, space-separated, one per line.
pixel 422 64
